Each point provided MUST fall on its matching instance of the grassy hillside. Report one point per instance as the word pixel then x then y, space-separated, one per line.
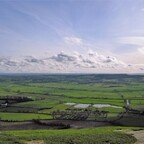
pixel 80 136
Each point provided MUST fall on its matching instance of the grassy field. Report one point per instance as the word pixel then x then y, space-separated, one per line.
pixel 22 116
pixel 103 135
pixel 49 93
pixel 46 103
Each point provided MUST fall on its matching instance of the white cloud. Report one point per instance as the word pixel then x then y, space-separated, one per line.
pixel 62 62
pixel 133 40
pixel 138 42
pixel 90 62
pixel 73 40
pixel 141 50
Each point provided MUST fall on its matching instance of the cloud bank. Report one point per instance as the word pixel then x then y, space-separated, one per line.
pixel 90 62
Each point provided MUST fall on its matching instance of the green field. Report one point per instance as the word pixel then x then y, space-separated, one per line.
pixel 22 116
pixel 81 136
pixel 50 93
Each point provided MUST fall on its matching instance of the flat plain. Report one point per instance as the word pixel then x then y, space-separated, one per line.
pixel 116 101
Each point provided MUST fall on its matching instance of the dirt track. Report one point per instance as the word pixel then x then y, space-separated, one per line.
pixel 139 135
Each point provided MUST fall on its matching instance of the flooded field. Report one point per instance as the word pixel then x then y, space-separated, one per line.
pixel 92 105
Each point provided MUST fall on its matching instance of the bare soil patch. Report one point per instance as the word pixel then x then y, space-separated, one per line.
pixel 31 125
pixel 80 124
pixel 139 135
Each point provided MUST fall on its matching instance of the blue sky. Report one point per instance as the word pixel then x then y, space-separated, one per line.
pixel 36 27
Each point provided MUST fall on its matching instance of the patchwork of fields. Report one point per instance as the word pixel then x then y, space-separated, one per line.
pixel 51 92
pixel 25 97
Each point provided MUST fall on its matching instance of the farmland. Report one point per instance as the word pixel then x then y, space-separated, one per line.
pixel 71 97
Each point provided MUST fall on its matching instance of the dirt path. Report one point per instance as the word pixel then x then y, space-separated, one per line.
pixel 139 135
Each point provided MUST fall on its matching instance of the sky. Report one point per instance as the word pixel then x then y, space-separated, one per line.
pixel 93 28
